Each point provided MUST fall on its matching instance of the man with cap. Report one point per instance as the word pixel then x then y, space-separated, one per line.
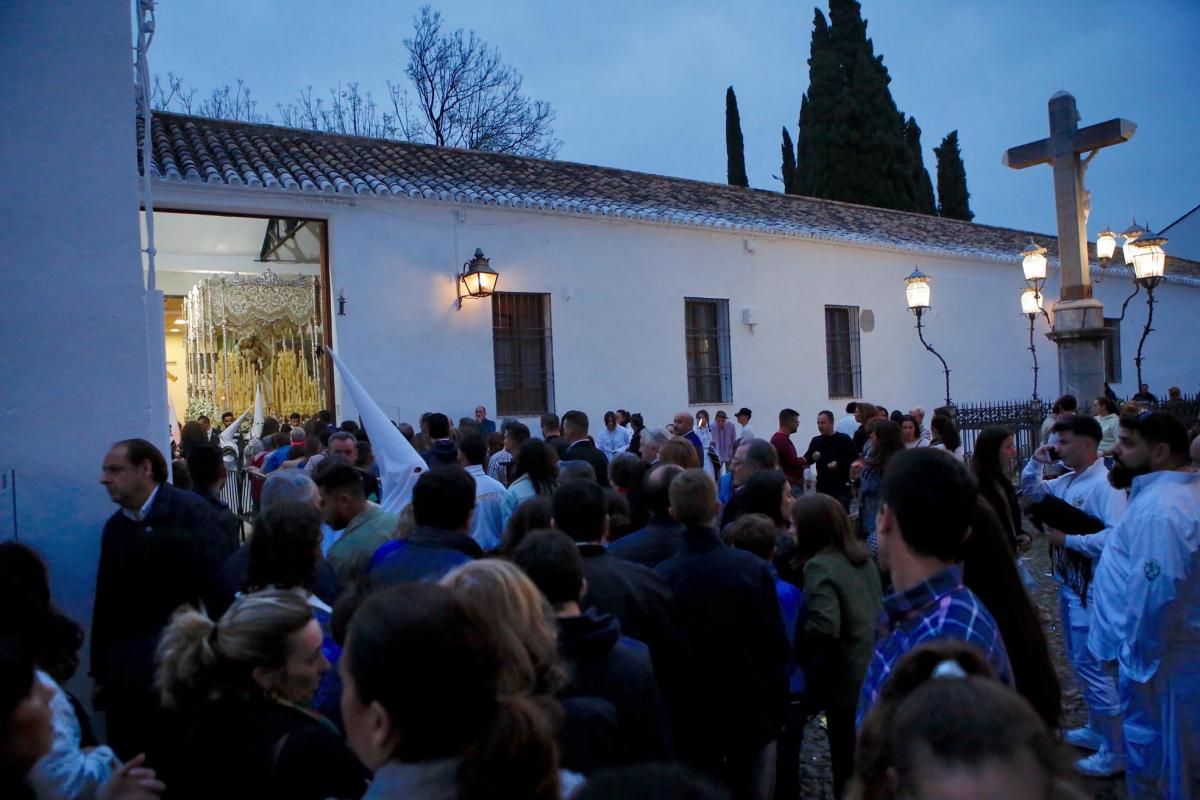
pixel 744 432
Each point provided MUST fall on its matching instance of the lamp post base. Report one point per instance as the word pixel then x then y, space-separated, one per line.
pixel 1080 335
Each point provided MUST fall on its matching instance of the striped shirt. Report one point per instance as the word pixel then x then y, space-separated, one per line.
pixel 936 609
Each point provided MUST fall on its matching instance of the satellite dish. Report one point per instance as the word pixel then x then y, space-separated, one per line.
pixel 866 320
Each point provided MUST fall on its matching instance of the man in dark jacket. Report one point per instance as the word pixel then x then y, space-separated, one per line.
pixel 444 452
pixel 162 549
pixel 833 453
pixel 442 502
pixel 726 603
pixel 603 663
pixel 206 468
pixel 580 447
pixel 660 539
pixel 751 456
pixel 634 594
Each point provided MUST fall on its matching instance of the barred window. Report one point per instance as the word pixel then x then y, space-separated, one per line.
pixel 1112 350
pixel 523 351
pixel 842 355
pixel 709 370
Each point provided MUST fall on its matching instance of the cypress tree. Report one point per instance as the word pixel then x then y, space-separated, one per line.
pixel 953 196
pixel 923 186
pixel 817 107
pixel 789 164
pixel 735 149
pixel 852 142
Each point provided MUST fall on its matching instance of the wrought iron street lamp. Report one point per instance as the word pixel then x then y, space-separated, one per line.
pixel 1149 264
pixel 477 278
pixel 917 295
pixel 1031 306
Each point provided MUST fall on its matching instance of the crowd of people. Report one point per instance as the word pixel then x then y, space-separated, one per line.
pixel 471 610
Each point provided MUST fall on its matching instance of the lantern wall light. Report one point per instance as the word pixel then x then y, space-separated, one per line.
pixel 477 278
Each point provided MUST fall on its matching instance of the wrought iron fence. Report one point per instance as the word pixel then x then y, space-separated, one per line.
pixel 236 493
pixel 1023 418
pixel 1186 407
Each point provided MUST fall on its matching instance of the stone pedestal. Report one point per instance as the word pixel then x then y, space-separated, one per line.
pixel 1080 335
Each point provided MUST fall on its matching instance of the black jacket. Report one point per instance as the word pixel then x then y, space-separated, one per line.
pixel 236 568
pixel 733 509
pixel 258 749
pixel 443 453
pixel 226 519
pixel 836 447
pixel 632 593
pixel 148 569
pixel 725 602
pixel 586 450
pixel 606 665
pixel 653 544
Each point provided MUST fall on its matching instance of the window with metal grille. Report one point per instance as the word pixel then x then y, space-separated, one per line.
pixel 523 351
pixel 709 369
pixel 842 356
pixel 1112 350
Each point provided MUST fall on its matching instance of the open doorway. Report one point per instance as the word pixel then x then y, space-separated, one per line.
pixel 246 314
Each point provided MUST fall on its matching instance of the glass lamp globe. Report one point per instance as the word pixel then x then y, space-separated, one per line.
pixel 478 279
pixel 1106 244
pixel 916 290
pixel 1149 258
pixel 1130 235
pixel 1033 262
pixel 1031 302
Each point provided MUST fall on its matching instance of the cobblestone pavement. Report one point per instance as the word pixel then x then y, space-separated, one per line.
pixel 815 781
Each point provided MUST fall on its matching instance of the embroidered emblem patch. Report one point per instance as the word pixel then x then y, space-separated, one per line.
pixel 1153 570
pixel 1078 502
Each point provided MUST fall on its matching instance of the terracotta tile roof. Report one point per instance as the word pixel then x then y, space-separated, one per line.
pixel 208 151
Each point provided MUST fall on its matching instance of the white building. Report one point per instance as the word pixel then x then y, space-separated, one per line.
pixel 628 290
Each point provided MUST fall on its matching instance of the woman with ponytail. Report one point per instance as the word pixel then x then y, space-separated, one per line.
pixel 423 707
pixel 944 726
pixel 239 687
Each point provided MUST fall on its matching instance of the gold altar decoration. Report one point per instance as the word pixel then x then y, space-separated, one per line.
pixel 246 331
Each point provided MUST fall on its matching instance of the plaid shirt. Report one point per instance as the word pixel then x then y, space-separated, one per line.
pixel 938 608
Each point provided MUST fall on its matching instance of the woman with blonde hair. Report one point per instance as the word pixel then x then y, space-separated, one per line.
pixel 679 451
pixel 523 624
pixel 521 618
pixel 239 687
pixel 424 708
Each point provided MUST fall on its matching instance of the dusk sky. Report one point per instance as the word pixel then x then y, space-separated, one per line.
pixel 641 86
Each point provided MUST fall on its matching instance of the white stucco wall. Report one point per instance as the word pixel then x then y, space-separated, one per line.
pixel 617 308
pixel 74 370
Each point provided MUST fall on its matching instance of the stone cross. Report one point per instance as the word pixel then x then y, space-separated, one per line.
pixel 1061 150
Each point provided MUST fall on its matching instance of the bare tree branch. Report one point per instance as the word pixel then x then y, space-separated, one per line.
pixel 467 97
pixel 463 96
